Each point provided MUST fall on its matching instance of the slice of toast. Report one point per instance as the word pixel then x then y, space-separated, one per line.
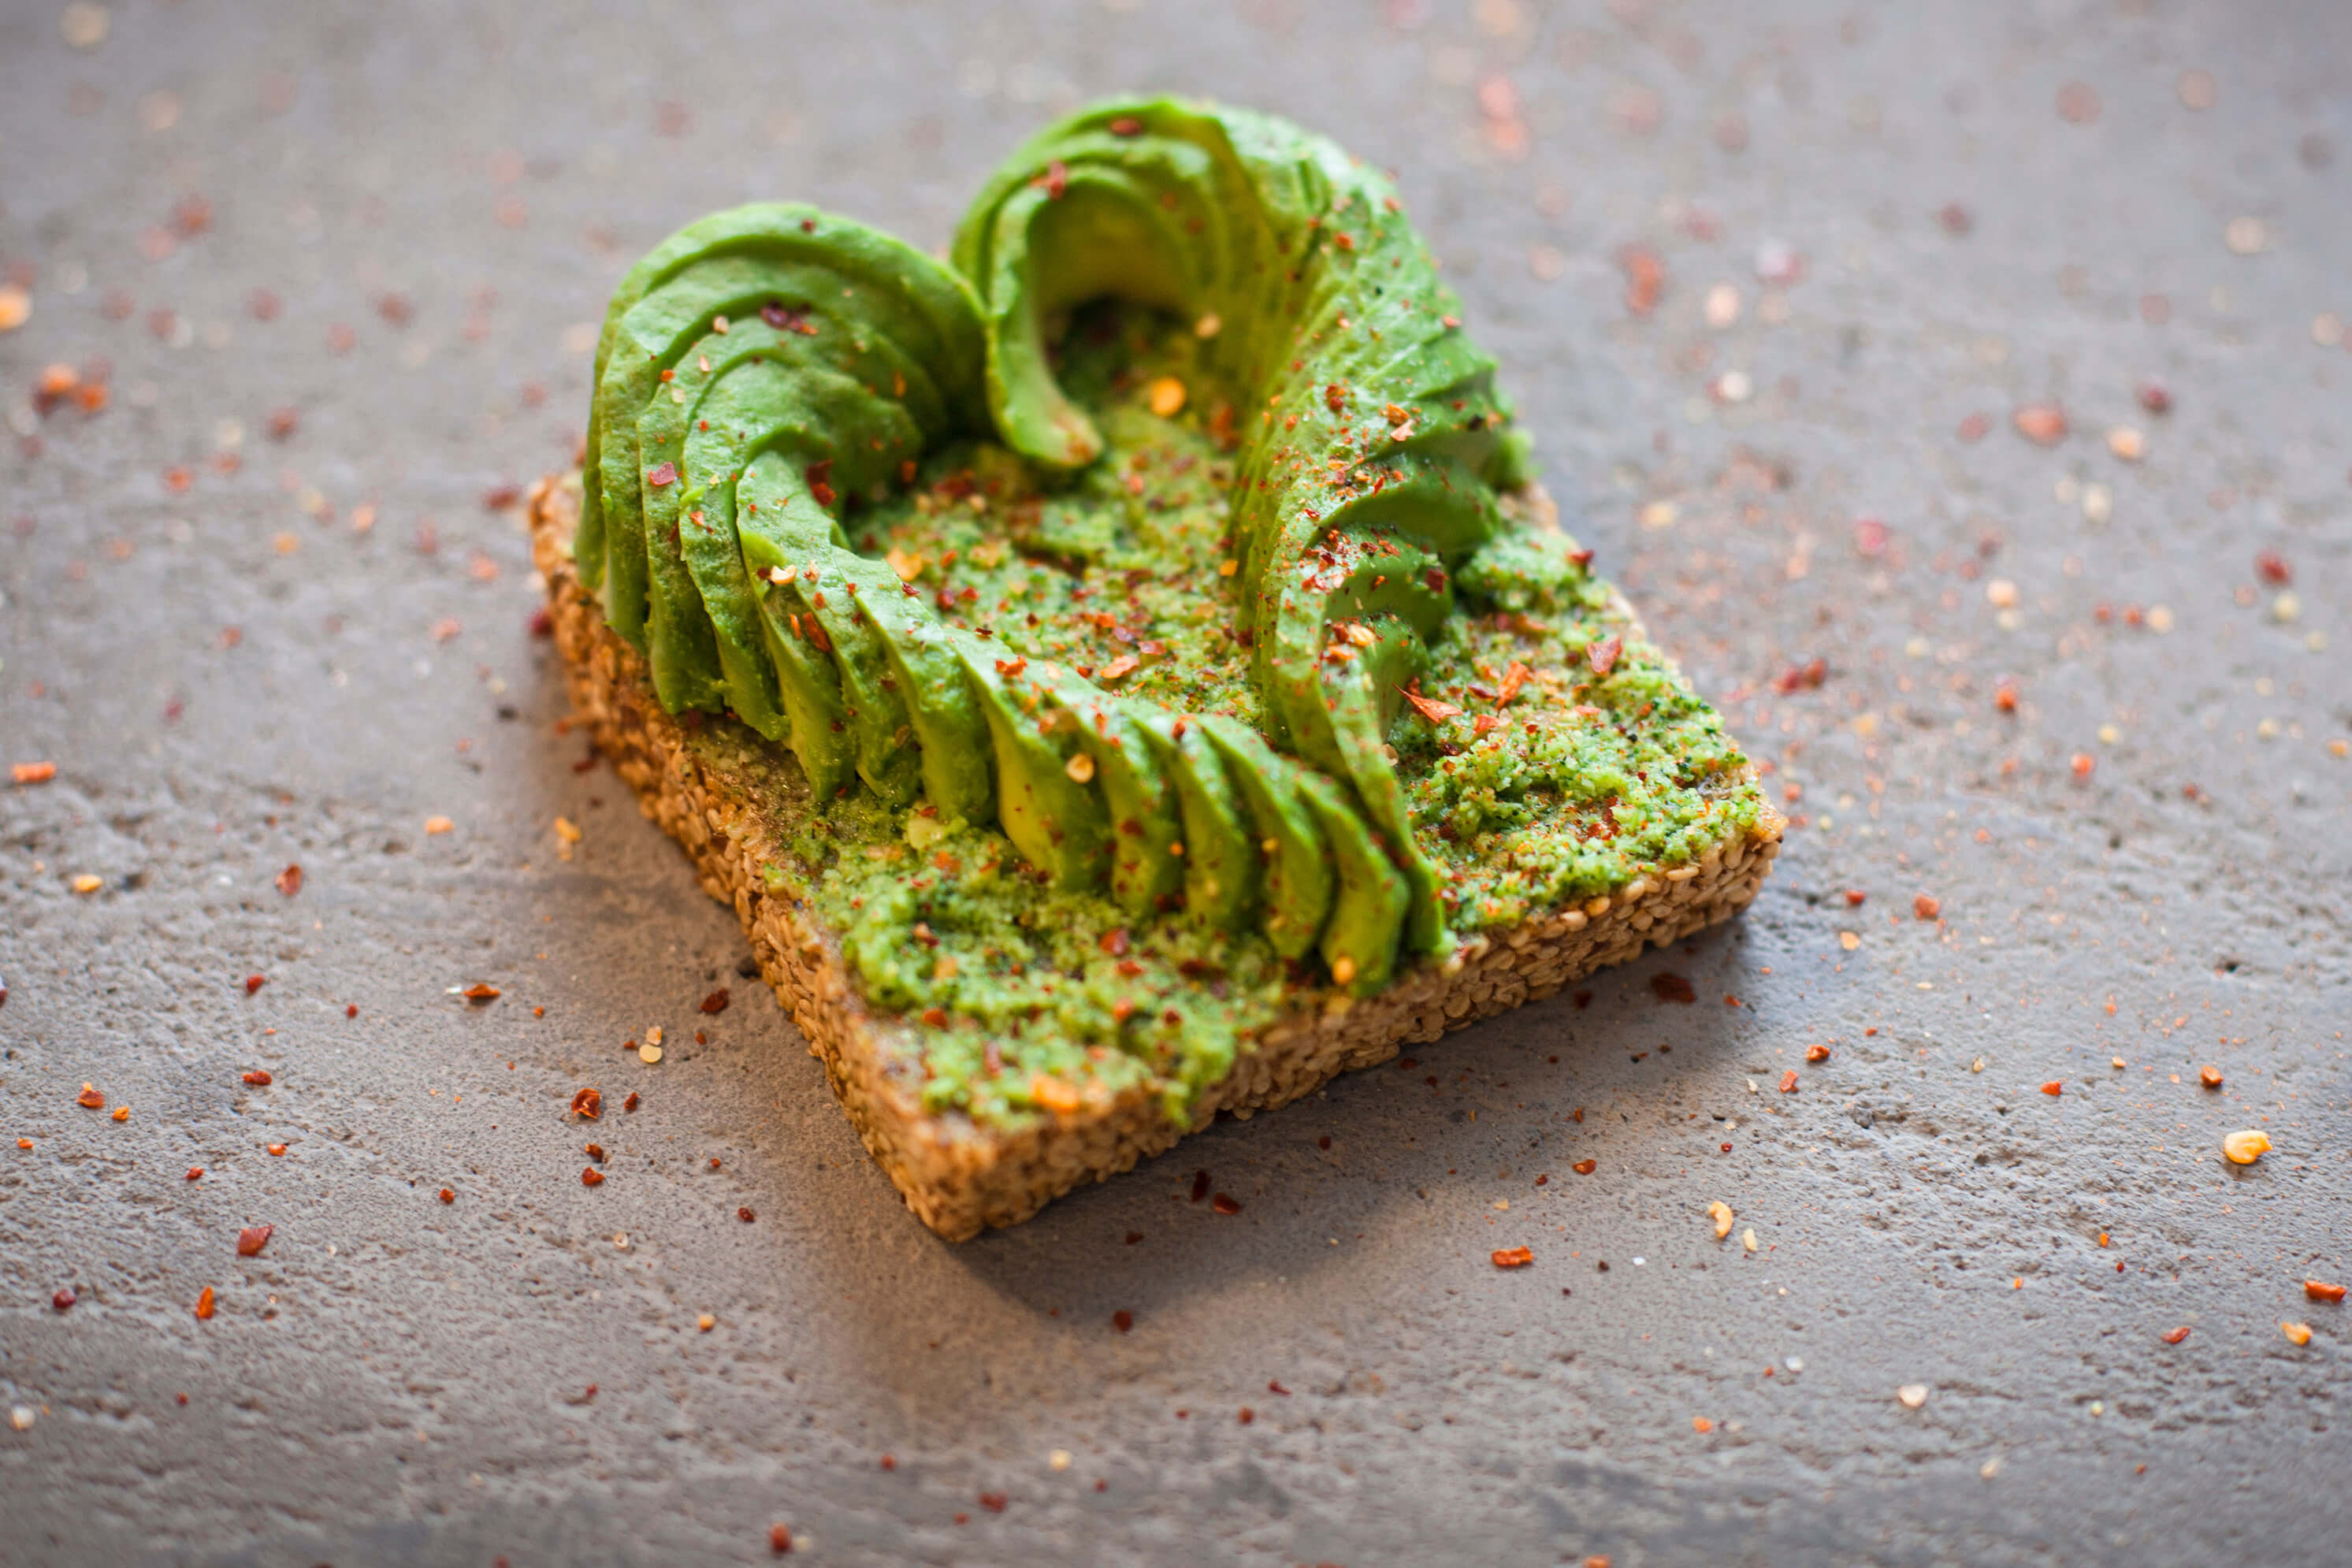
pixel 731 801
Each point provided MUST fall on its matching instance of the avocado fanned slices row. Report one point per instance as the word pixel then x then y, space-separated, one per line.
pixel 764 364
pixel 772 361
pixel 1374 440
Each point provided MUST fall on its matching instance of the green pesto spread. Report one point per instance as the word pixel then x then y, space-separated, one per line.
pixel 1147 605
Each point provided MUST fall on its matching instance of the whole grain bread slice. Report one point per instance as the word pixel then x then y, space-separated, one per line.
pixel 716 791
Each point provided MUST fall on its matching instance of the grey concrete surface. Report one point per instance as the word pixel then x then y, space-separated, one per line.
pixel 246 647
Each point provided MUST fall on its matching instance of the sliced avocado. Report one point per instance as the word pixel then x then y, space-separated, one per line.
pixel 1220 856
pixel 1146 816
pixel 1060 825
pixel 1369 906
pixel 957 758
pixel 806 681
pixel 1297 861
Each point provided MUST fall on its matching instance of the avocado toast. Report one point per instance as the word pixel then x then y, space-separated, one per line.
pixel 1127 672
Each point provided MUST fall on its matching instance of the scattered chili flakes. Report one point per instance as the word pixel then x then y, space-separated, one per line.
pixel 1817 1053
pixel 1225 1203
pixel 277 1148
pixel 1429 708
pixel 196 1172
pixel 1200 1185
pixel 121 1113
pixel 33 772
pixel 1512 1256
pixel 252 1239
pixel 746 1216
pixel 1789 1081
pixel 1702 1425
pixel 2297 1333
pixel 1602 655
pixel 716 1003
pixel 2211 1077
pixel 2174 1336
pixel 1585 1167
pixel 662 474
pixel 2055 1087
pixel 204 1303
pixel 259 1078
pixel 780 1539
pixel 253 983
pixel 2322 1290
pixel 290 881
pixel 1926 907
pixel 590 1176
pixel 481 991
pixel 1645 278
pixel 63 1298
pixel 1673 988
pixel 631 1102
pixel 435 825
pixel 588 1104
pixel 447 1196
pixel 90 1098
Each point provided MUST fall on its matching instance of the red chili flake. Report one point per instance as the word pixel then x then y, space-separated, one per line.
pixel 252 1239
pixel 1602 655
pixel 2271 568
pixel 2174 1336
pixel 588 1104
pixel 1854 897
pixel 2156 397
pixel 1645 278
pixel 1871 537
pixel 1957 220
pixel 63 1298
pixel 590 1177
pixel 2043 423
pixel 2211 1077
pixel 1514 680
pixel 1673 988
pixel 259 1078
pixel 33 772
pixel 448 1197
pixel 1817 1053
pixel 716 1003
pixel 1789 1081
pixel 820 482
pixel 1513 1256
pixel 1926 907
pixel 2321 1290
pixel 481 991
pixel 780 1539
pixel 1125 125
pixel 275 1148
pixel 1429 708
pixel 1125 665
pixel 992 1501
pixel 283 423
pixel 196 1172
pixel 542 624
pixel 1806 677
pixel 90 1098
pixel 594 1152
pixel 1224 1204
pixel 395 309
pixel 263 304
pixel 1115 942
pixel 290 881
pixel 204 1303
pixel 937 1017
pixel 1122 1320
pixel 2083 763
pixel 350 1009
pixel 1585 1167
pixel 497 498
pixel 1200 1185
pixel 2004 697
pixel 1057 180
pixel 1246 1415
pixel 746 1216
pixel 2055 1087
pixel 253 983
pixel 661 474
pixel 631 1102
pixel 890 1461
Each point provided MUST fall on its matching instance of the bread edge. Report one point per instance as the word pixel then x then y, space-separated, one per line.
pixel 958 1176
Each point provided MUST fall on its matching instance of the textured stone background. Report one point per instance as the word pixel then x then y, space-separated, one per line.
pixel 232 673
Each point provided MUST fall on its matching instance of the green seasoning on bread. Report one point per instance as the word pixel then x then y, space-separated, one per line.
pixel 1153 603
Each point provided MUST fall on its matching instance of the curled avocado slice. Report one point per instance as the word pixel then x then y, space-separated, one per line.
pixel 1059 821
pixel 1220 856
pixel 1370 899
pixel 807 683
pixel 1296 855
pixel 1146 874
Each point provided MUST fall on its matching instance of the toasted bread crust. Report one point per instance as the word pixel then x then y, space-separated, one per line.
pixel 961 1177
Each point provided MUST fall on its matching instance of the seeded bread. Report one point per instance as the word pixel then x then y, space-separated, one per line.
pixel 961 1177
